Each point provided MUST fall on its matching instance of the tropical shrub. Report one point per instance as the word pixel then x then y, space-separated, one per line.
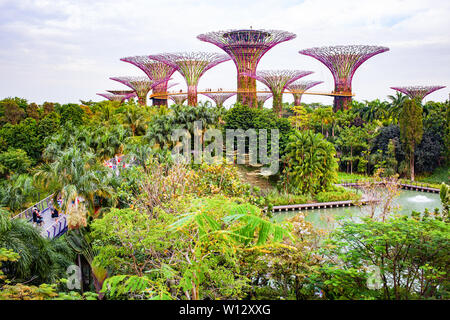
pixel 309 164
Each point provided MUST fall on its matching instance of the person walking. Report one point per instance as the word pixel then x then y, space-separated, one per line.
pixel 37 218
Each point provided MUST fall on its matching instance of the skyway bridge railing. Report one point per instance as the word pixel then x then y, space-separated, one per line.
pixel 52 229
pixel 41 205
pixel 165 95
pixel 404 184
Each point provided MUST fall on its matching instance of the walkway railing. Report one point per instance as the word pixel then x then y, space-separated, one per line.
pixel 54 230
pixel 28 213
pixel 57 229
pixel 404 184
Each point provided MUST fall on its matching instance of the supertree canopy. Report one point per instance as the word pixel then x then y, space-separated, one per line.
pixel 124 92
pixel 191 65
pixel 155 70
pixel 219 97
pixel 179 99
pixel 262 97
pixel 114 97
pixel 277 81
pixel 299 87
pixel 140 85
pixel 246 47
pixel 129 93
pixel 343 62
pixel 418 92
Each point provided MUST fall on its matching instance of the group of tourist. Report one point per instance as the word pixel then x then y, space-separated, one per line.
pixel 39 219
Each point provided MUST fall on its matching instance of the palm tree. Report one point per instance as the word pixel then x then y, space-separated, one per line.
pixel 134 118
pixel 107 142
pixel 75 175
pixel 16 192
pixel 396 104
pixel 41 259
pixel 160 131
pixel 310 163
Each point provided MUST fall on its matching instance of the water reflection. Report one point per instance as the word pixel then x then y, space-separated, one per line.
pixel 405 203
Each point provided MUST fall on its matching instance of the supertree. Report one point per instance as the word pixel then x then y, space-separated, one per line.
pixel 191 65
pixel 179 99
pixel 123 92
pixel 261 98
pixel 343 62
pixel 246 47
pixel 418 92
pixel 297 88
pixel 277 81
pixel 114 97
pixel 219 97
pixel 129 93
pixel 140 85
pixel 155 70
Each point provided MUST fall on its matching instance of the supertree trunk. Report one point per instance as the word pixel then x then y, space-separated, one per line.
pixel 297 99
pixel 248 85
pixel 160 100
pixel 141 100
pixel 278 105
pixel 342 102
pixel 192 95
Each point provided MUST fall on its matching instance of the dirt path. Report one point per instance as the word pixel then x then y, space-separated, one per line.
pixel 251 175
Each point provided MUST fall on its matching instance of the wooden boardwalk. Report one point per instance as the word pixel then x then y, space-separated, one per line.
pixel 320 205
pixel 406 186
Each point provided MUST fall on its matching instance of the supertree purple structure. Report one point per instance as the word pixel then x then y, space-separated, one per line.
pixel 343 61
pixel 179 99
pixel 297 88
pixel 123 92
pixel 140 85
pixel 219 97
pixel 277 81
pixel 129 93
pixel 246 47
pixel 418 92
pixel 155 70
pixel 191 65
pixel 261 98
pixel 114 97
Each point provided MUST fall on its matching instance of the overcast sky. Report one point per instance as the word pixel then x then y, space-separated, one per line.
pixel 66 50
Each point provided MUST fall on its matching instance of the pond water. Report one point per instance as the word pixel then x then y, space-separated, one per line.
pixel 405 203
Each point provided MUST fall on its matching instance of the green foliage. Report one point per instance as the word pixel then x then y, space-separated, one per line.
pixel 276 198
pixel 310 165
pixel 352 143
pixel 16 192
pixel 75 174
pixel 41 259
pixel 445 200
pixel 14 161
pixel 339 194
pixel 243 117
pixel 71 112
pixel 412 255
pixel 411 128
pixel 134 287
pixel 23 136
pixel 12 110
